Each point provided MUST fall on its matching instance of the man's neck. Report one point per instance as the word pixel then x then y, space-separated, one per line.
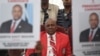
pixel 52 34
pixel 94 28
pixel 17 19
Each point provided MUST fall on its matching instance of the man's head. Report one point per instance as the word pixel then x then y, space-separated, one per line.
pixel 50 26
pixel 44 2
pixel 17 12
pixel 94 20
pixel 67 3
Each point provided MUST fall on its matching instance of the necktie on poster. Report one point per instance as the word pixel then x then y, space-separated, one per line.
pixel 91 36
pixel 25 32
pixel 12 27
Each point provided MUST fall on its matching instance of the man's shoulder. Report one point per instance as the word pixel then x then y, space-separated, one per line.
pixel 24 23
pixel 62 34
pixel 58 33
pixel 99 29
pixel 7 22
pixel 43 32
pixel 85 31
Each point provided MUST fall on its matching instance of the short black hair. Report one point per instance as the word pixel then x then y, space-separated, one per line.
pixel 17 5
pixel 95 15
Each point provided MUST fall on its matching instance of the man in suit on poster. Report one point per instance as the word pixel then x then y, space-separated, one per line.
pixel 17 24
pixel 53 43
pixel 93 33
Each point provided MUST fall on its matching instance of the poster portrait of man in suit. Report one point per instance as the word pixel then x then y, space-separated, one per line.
pixel 17 24
pixel 91 34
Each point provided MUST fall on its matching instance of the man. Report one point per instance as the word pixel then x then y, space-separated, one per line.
pixel 64 15
pixel 16 25
pixel 48 11
pixel 53 43
pixel 93 33
pixel 65 18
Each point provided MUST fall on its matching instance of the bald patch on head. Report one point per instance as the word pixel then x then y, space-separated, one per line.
pixel 50 20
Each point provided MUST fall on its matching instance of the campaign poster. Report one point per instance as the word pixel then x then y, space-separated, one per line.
pixel 86 27
pixel 19 23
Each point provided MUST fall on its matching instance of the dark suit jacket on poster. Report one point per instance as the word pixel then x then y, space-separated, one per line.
pixel 23 27
pixel 84 36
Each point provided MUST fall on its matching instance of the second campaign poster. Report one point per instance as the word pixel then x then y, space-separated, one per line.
pixel 86 27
